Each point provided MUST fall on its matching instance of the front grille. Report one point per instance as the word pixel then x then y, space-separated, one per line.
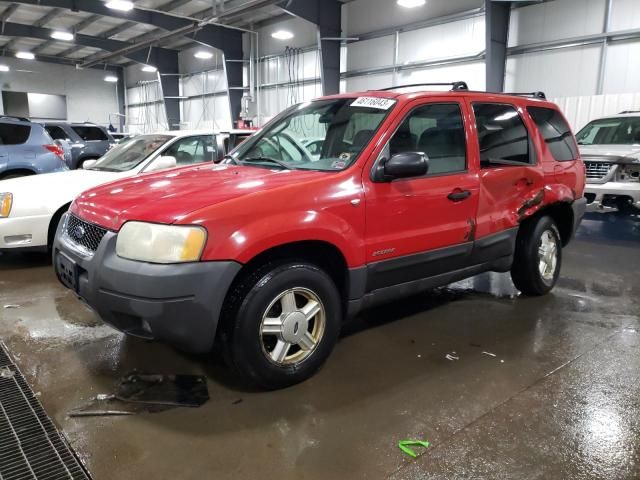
pixel 30 445
pixel 597 170
pixel 84 233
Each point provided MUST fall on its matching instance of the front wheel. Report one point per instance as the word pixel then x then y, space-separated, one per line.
pixel 280 324
pixel 538 257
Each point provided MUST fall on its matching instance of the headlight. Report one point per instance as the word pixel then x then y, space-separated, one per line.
pixel 6 200
pixel 154 243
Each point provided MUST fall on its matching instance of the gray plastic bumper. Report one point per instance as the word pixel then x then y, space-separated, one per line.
pixel 178 304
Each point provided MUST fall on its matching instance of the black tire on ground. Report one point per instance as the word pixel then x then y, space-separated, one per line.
pixel 53 227
pixel 239 331
pixel 15 175
pixel 525 272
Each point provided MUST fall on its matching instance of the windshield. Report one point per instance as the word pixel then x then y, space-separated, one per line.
pixel 611 131
pixel 325 135
pixel 130 154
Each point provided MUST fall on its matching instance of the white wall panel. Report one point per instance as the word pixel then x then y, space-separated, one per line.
pixel 455 39
pixel 305 34
pixel 580 110
pixel 473 73
pixel 622 71
pixel 206 113
pixel 625 14
pixel 556 20
pixel 361 16
pixel 377 52
pixel 278 69
pixel 366 82
pixel 274 100
pixel 189 64
pixel 560 72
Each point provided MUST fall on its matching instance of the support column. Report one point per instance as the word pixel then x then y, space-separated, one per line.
pixel 497 34
pixel 167 63
pixel 120 98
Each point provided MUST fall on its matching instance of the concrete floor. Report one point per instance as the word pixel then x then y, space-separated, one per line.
pixel 561 398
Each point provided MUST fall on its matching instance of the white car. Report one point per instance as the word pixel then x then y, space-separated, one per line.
pixel 610 149
pixel 31 207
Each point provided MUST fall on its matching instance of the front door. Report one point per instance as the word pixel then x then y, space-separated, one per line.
pixel 423 226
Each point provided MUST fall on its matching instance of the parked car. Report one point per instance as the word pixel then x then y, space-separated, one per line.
pixel 87 140
pixel 610 148
pixel 266 254
pixel 120 136
pixel 26 149
pixel 33 206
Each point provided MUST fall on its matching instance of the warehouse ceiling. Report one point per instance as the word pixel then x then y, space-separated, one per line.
pixel 244 14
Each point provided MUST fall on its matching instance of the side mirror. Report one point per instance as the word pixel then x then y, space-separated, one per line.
pixel 162 163
pixel 88 164
pixel 405 165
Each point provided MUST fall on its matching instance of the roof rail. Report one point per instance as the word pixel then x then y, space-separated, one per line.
pixel 540 95
pixel 453 85
pixel 629 111
pixel 13 117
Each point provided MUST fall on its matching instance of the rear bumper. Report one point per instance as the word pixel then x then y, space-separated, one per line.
pixel 179 304
pixel 24 232
pixel 602 197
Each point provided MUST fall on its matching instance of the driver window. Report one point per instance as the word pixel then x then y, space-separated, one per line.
pixel 436 130
pixel 190 150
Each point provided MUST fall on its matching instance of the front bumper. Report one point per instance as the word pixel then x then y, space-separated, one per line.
pixel 603 197
pixel 179 304
pixel 24 232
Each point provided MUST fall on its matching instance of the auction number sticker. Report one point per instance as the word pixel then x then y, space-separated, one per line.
pixel 373 102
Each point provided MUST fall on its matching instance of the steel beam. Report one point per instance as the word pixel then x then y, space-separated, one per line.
pixel 327 15
pixel 53 13
pixel 497 33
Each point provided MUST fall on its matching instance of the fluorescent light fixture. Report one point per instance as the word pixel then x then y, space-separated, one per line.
pixel 202 54
pixel 411 3
pixel 149 68
pixel 4 68
pixel 111 78
pixel 64 36
pixel 122 5
pixel 25 55
pixel 282 35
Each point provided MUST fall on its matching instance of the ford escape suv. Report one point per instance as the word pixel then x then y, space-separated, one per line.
pixel 610 149
pixel 264 256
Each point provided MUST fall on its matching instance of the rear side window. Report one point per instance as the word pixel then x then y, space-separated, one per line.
pixel 56 133
pixel 556 133
pixel 14 134
pixel 502 136
pixel 90 133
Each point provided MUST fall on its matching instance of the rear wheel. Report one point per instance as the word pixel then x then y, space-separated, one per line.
pixel 15 175
pixel 280 324
pixel 538 257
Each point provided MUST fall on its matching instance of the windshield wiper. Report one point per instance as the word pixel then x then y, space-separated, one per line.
pixel 266 159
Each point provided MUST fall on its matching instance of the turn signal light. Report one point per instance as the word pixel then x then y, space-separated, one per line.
pixel 6 199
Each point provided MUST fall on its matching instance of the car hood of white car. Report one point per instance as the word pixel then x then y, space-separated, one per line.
pixel 631 151
pixel 46 193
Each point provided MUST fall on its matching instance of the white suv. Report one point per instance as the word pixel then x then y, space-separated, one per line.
pixel 610 149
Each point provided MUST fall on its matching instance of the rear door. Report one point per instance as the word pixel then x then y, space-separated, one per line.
pixel 423 226
pixel 96 141
pixel 511 179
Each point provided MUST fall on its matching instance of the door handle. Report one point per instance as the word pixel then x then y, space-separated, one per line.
pixel 458 195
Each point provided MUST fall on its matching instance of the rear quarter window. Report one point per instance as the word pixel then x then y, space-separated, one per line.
pixel 556 133
pixel 90 133
pixel 11 134
pixel 56 133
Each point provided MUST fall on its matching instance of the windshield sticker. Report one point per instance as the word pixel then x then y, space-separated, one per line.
pixel 373 102
pixel 339 164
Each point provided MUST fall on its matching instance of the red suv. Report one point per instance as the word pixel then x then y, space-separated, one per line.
pixel 266 254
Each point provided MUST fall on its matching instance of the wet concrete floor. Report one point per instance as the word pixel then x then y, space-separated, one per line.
pixel 560 398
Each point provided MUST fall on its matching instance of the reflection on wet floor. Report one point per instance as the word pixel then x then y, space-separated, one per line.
pixel 557 397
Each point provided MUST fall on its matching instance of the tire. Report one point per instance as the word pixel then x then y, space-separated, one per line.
pixel 9 176
pixel 527 272
pixel 251 352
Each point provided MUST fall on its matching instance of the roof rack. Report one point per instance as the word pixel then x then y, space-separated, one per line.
pixel 629 111
pixel 453 85
pixel 540 95
pixel 13 117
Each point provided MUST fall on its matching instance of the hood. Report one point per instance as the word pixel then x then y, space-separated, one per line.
pixel 166 197
pixel 52 190
pixel 612 153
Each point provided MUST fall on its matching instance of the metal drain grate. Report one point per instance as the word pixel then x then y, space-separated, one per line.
pixel 31 447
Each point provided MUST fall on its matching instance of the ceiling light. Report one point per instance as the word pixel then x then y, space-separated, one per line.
pixel 25 55
pixel 4 68
pixel 149 68
pixel 111 78
pixel 282 35
pixel 203 55
pixel 122 5
pixel 64 36
pixel 411 3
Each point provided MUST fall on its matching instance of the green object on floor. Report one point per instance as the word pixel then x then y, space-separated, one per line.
pixel 404 446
